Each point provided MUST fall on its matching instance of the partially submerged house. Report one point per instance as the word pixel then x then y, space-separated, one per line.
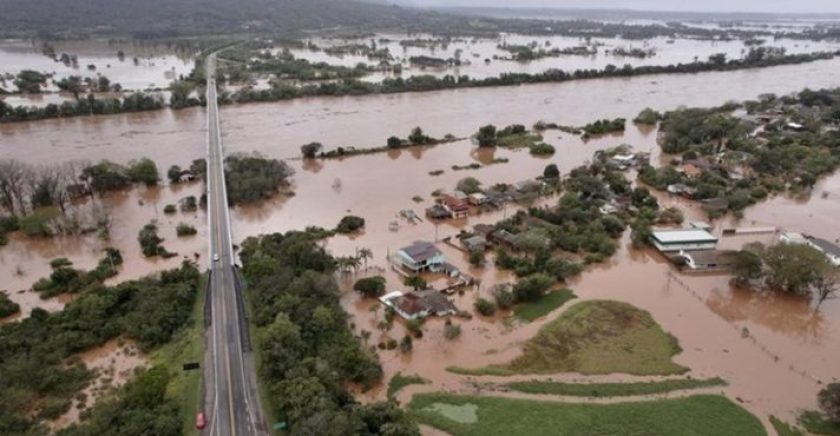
pixel 475 244
pixel 419 304
pixel 438 212
pixel 831 251
pixel 707 260
pixel 457 207
pixel 421 256
pixel 692 239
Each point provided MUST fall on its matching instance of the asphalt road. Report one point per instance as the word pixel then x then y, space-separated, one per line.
pixel 232 406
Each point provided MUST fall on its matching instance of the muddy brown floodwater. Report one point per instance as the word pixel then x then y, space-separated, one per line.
pixel 748 339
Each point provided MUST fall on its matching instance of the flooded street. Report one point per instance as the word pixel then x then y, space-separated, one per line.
pixel 773 351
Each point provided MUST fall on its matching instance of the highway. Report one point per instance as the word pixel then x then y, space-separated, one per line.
pixel 231 399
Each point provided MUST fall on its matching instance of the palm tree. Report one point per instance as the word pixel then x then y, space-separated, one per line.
pixel 365 254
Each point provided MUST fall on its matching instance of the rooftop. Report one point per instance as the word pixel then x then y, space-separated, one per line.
pixel 826 246
pixel 683 235
pixel 420 251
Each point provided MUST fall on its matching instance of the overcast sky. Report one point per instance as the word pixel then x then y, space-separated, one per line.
pixel 777 6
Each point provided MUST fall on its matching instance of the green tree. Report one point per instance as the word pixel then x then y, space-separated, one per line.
pixel 532 288
pixel 468 185
pixel 486 136
pixel 829 400
pixel 370 287
pixel 174 174
pixel 415 282
pixel 309 151
pixel 350 224
pixel 485 307
pixel 551 172
pixel 394 142
pixel 794 267
pixel 143 171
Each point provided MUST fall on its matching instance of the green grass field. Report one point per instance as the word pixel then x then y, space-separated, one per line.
pixel 547 304
pixel 783 428
pixel 817 424
pixel 612 389
pixel 700 415
pixel 399 381
pixel 595 337
pixel 186 346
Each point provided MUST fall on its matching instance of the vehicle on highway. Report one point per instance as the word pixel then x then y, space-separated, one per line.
pixel 200 421
pixel 215 257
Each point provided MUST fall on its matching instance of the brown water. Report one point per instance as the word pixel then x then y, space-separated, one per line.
pixel 473 53
pixel 25 260
pixel 278 129
pixel 792 345
pixel 157 64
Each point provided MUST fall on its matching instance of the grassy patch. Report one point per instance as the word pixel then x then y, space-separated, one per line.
pixel 612 389
pixel 698 415
pixel 519 140
pixel 186 346
pixel 399 381
pixel 783 428
pixel 545 305
pixel 600 337
pixel 815 423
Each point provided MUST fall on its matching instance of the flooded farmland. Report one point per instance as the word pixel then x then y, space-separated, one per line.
pixel 745 338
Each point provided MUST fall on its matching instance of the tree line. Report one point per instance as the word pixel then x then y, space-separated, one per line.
pixel 308 351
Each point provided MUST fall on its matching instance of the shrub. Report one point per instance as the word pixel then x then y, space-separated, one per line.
pixel 532 288
pixel 350 224
pixel 486 136
pixel 185 229
pixel 394 142
pixel 504 298
pixel 406 344
pixel 829 399
pixel 542 149
pixel 309 151
pixel 174 174
pixel 477 258
pixel 451 331
pixel 551 172
pixel 169 209
pixel 485 307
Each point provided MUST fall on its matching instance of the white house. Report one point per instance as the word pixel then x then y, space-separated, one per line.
pixel 421 256
pixel 831 251
pixel 666 240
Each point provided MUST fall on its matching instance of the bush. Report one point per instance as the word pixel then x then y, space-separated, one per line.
pixel 485 307
pixel 394 142
pixel 7 306
pixel 174 174
pixel 486 136
pixel 532 288
pixel 309 151
pixel 551 172
pixel 150 241
pixel 406 344
pixel 477 258
pixel 451 331
pixel 37 224
pixel 185 229
pixel 370 287
pixel 350 224
pixel 189 204
pixel 468 185
pixel 648 116
pixel 504 298
pixel 542 149
pixel 829 399
pixel 143 171
pixel 415 326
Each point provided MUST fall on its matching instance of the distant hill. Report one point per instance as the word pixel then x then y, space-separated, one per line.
pixel 162 18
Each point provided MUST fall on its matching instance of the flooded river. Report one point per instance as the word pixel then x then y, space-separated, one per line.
pixel 747 339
